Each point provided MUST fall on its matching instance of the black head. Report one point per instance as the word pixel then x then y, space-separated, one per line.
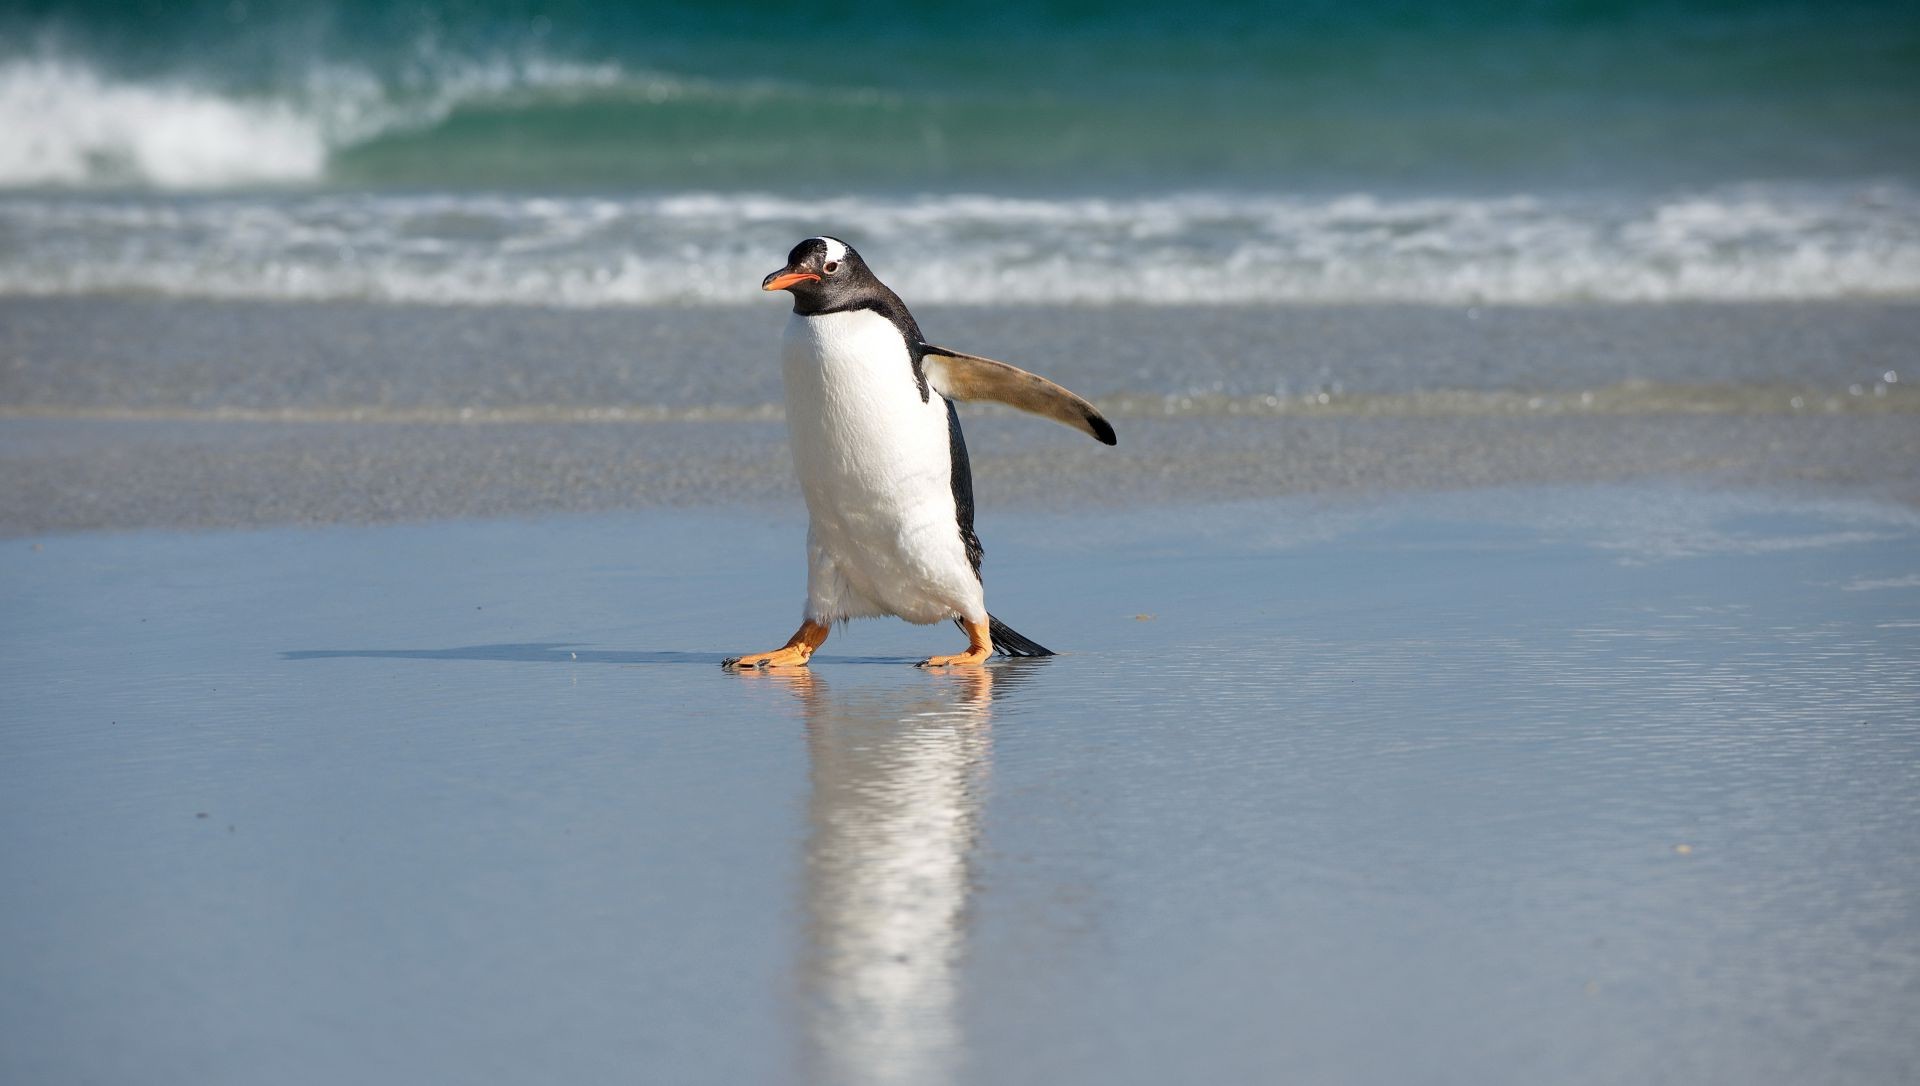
pixel 824 274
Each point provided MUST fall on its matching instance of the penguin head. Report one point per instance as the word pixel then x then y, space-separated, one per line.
pixel 821 273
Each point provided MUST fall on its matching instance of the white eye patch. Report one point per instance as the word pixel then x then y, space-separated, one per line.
pixel 836 249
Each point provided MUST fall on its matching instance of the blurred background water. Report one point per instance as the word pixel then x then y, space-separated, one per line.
pixel 597 153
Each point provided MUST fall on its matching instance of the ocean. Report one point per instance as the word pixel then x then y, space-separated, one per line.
pixel 603 154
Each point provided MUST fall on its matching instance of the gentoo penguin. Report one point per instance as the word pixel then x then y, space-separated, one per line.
pixel 877 447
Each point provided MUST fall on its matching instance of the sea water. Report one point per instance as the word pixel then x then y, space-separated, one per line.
pixel 607 154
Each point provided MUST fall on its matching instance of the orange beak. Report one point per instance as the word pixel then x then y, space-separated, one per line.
pixel 781 280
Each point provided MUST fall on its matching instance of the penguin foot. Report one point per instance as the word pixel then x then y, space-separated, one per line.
pixel 783 657
pixel 979 647
pixel 969 658
pixel 795 653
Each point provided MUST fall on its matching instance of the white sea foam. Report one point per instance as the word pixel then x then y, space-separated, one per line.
pixel 1733 243
pixel 64 123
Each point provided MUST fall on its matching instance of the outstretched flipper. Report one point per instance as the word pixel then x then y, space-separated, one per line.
pixel 960 376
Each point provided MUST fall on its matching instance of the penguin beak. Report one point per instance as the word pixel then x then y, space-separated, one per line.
pixel 783 279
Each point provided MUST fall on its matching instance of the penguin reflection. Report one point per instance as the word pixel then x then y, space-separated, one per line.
pixel 894 815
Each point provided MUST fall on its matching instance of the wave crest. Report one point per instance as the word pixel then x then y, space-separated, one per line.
pixel 67 124
pixel 1738 243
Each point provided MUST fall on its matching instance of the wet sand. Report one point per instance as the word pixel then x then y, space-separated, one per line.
pixel 66 475
pixel 125 414
pixel 1538 706
pixel 165 353
pixel 1576 784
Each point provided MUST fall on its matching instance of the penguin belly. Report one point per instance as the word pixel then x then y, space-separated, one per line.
pixel 874 462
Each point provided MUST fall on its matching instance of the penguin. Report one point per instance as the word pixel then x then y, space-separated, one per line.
pixel 882 463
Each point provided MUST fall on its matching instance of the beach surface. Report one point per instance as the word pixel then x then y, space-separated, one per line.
pixel 1524 693
pixel 1577 783
pixel 129 413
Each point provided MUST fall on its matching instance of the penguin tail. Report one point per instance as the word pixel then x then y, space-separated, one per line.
pixel 1009 642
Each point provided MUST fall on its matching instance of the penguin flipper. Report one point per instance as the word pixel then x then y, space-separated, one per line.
pixel 960 376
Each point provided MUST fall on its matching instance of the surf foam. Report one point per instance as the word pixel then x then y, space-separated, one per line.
pixel 1733 243
pixel 66 124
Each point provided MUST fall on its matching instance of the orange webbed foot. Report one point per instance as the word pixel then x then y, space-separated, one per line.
pixel 979 648
pixel 781 657
pixel 795 653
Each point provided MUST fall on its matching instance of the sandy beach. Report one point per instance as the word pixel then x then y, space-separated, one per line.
pixel 130 414
pixel 1579 783
pixel 1541 702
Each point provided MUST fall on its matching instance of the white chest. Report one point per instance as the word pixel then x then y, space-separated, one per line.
pixel 864 441
pixel 874 461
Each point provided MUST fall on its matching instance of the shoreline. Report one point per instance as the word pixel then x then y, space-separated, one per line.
pixel 119 414
pixel 65 476
pixel 1635 397
pixel 127 352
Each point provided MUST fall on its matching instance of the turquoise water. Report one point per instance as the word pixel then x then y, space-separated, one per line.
pixel 827 97
pixel 598 154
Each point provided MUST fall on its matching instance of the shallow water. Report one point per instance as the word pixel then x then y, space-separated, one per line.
pixel 1587 784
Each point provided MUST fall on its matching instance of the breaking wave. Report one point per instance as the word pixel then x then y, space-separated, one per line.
pixel 67 124
pixel 1750 242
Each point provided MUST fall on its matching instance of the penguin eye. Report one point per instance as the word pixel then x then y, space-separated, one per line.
pixel 830 267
